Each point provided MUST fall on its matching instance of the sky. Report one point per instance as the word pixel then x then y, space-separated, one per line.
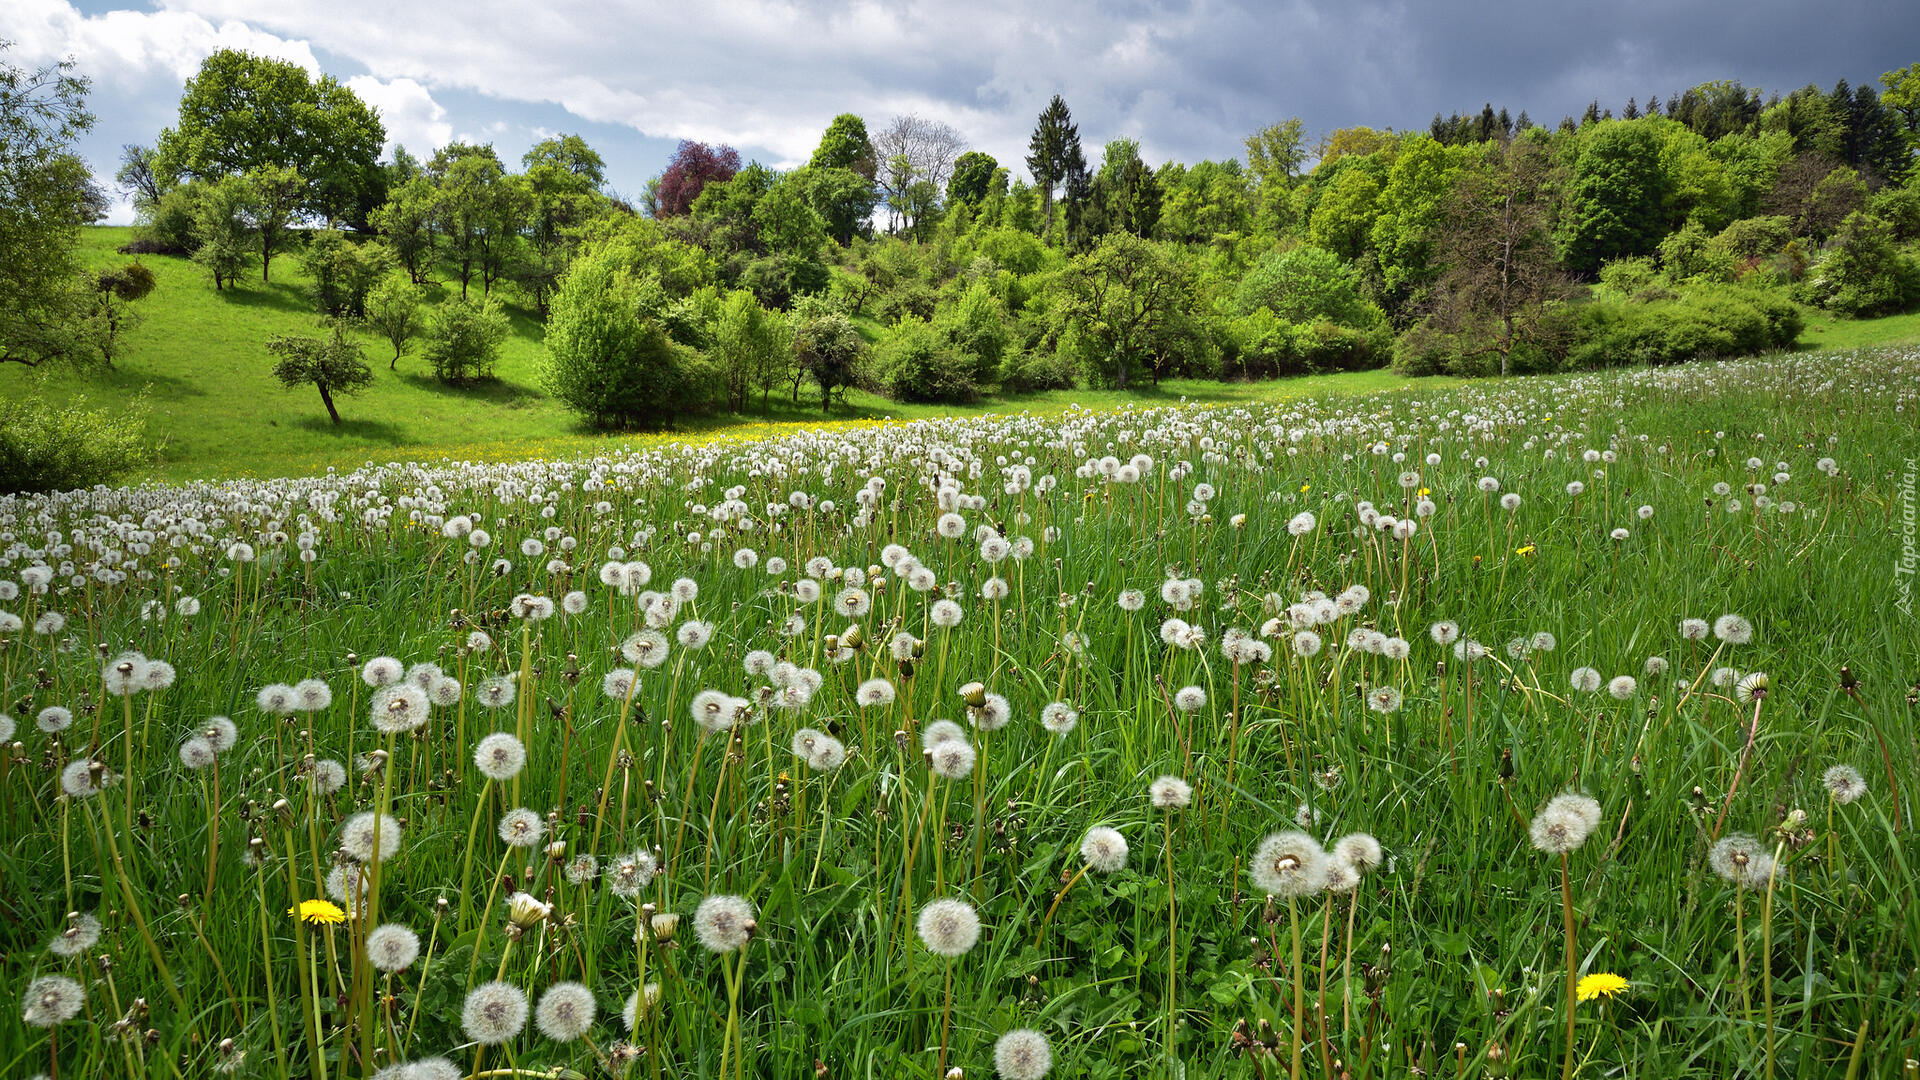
pixel 1188 81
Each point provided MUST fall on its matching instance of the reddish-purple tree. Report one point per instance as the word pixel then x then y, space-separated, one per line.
pixel 694 166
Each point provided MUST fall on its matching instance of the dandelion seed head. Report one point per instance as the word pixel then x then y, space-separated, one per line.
pixel 1059 718
pixel 1358 850
pixel 1104 849
pixel 1564 823
pixel 84 778
pixel 392 947
pixel 565 1011
pixel 51 1000
pixel 82 933
pixel 1289 864
pixel 724 923
pixel 494 1013
pixel 381 671
pixel 500 756
pixel 357 836
pixel 54 719
pixel 521 828
pixel 1733 629
pixel 949 927
pixel 952 759
pixel 1170 793
pixel 1844 783
pixel 399 708
pixel 1022 1054
pixel 1742 860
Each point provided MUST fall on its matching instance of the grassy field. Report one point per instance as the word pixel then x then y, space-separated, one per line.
pixel 198 365
pixel 1547 727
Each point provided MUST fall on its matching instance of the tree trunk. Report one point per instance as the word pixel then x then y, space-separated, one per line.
pixel 328 398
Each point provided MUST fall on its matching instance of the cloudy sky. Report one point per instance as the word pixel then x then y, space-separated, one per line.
pixel 1188 80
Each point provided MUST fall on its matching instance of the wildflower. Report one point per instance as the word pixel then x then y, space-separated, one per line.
pixel 54 719
pixel 724 923
pixel 327 776
pixel 82 933
pixel 1358 850
pixel 494 1013
pixel 1600 984
pixel 694 634
pixel 1751 689
pixel 952 759
pixel 874 693
pixel 311 695
pixel 565 1012
pixel 1564 823
pixel 50 1000
pixel 399 708
pixel 627 875
pixel 1289 864
pixel 276 699
pixel 1132 600
pixel 84 778
pixel 527 911
pixel 357 836
pixel 1741 860
pixel 1059 718
pixel 1383 699
pixel 640 1003
pixel 1844 783
pixel 1733 629
pixel 945 614
pixel 1655 666
pixel 949 928
pixel 715 711
pixel 392 947
pixel 1170 793
pixel 991 714
pixel 619 683
pixel 318 913
pixel 496 693
pixel 1621 687
pixel 1189 698
pixel 381 671
pixel 1586 680
pixel 500 756
pixel 445 692
pixel 521 828
pixel 1022 1054
pixel 1104 850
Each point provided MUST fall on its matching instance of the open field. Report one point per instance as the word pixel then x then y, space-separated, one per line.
pixel 1348 736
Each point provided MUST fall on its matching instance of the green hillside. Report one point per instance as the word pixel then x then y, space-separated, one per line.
pixel 197 362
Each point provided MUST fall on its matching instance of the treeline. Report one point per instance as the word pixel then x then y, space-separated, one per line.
pixel 900 260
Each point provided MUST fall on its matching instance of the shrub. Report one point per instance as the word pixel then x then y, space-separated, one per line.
pixel 49 448
pixel 917 362
pixel 168 227
pixel 1864 274
pixel 1700 324
pixel 342 273
pixel 610 361
pixel 463 340
pixel 1755 237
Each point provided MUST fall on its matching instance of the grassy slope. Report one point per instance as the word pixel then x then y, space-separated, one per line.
pixel 215 409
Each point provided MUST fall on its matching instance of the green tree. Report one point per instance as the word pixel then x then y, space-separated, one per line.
pixel 44 295
pixel 341 273
pixel 829 350
pixel 1411 208
pixel 1343 216
pixel 1274 156
pixel 475 202
pixel 119 287
pixel 1615 201
pixel 1305 284
pixel 754 348
pixel 1126 298
pixel 242 112
pixel 842 198
pixel 224 228
pixel 333 364
pixel 1866 273
pixel 394 315
pixel 464 338
pixel 608 357
pixel 1125 194
pixel 1901 93
pixel 561 190
pixel 846 145
pixel 409 221
pixel 975 174
pixel 1054 156
pixel 273 206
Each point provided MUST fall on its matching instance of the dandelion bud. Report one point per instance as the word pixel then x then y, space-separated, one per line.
pixel 526 911
pixel 664 927
pixel 974 694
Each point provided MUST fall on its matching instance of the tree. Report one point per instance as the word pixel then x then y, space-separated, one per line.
pixel 1124 297
pixel 341 273
pixel 463 340
pixel 1901 93
pixel 139 177
pixel 912 150
pixel 754 348
pixel 1054 156
pixel 334 365
pixel 608 358
pixel 1275 153
pixel 119 287
pixel 975 174
pixel 410 220
pixel 828 349
pixel 1866 274
pixel 1500 275
pixel 561 191
pixel 44 296
pixel 693 167
pixel 273 206
pixel 242 112
pixel 473 199
pixel 222 226
pixel 845 145
pixel 1305 284
pixel 1615 200
pixel 393 314
pixel 842 197
pixel 1125 195
pixel 571 155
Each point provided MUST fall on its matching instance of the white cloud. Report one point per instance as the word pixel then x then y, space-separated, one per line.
pixel 413 119
pixel 135 48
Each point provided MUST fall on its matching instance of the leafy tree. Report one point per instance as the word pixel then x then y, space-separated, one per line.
pixel 333 364
pixel 394 315
pixel 561 188
pixel 410 220
pixel 914 150
pixel 224 228
pixel 117 288
pixel 918 362
pixel 45 198
pixel 463 340
pixel 1901 93
pixel 571 155
pixel 975 174
pixel 845 145
pixel 754 348
pixel 1500 274
pixel 1305 284
pixel 1054 156
pixel 273 205
pixel 842 197
pixel 1615 200
pixel 608 357
pixel 341 273
pixel 1418 184
pixel 1343 216
pixel 1205 204
pixel 693 167
pixel 139 177
pixel 1866 273
pixel 478 205
pixel 829 350
pixel 242 112
pixel 1125 195
pixel 1126 297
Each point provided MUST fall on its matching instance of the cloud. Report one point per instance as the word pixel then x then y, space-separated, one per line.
pixel 135 48
pixel 413 119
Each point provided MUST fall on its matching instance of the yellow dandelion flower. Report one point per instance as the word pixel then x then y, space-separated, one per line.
pixel 1600 984
pixel 318 911
pixel 1304 488
pixel 1426 491
pixel 1528 550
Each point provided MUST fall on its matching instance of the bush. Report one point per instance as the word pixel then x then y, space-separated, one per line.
pixel 44 448
pixel 613 363
pixel 917 362
pixel 1755 237
pixel 463 340
pixel 1701 324
pixel 1023 372
pixel 1264 345
pixel 1305 285
pixel 1864 274
pixel 343 272
pixel 168 227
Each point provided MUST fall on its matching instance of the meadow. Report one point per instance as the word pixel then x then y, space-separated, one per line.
pixel 1550 727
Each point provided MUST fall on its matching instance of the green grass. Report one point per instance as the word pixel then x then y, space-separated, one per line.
pixel 1826 330
pixel 1162 968
pixel 198 365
